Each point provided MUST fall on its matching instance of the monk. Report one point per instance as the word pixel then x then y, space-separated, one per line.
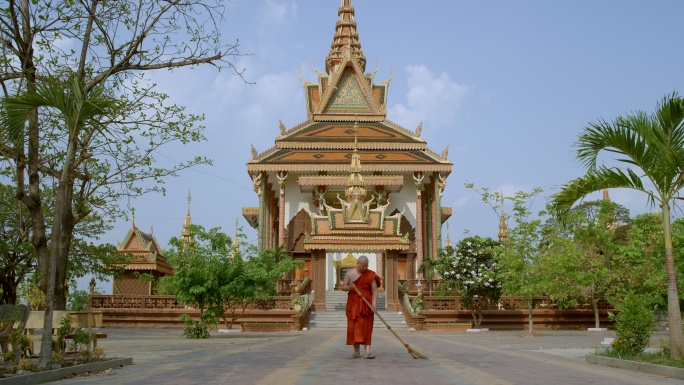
pixel 359 315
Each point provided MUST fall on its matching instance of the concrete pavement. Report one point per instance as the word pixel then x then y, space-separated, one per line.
pixel 320 356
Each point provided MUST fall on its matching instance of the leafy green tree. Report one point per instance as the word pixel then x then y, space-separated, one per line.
pixel 210 274
pixel 75 108
pixel 471 269
pixel 652 148
pixel 638 266
pixel 578 261
pixel 519 255
pixel 255 279
pixel 98 161
pixel 201 268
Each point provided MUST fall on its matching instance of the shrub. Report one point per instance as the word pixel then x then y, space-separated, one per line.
pixel 62 331
pixel 9 356
pixel 198 329
pixel 633 324
pixel 78 300
pixel 20 342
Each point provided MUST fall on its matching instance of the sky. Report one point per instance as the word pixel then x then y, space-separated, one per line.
pixel 507 85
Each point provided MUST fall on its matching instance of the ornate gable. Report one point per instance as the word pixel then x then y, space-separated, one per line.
pixel 146 251
pixel 348 96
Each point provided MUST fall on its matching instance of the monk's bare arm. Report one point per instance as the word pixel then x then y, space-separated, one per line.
pixel 374 288
pixel 347 283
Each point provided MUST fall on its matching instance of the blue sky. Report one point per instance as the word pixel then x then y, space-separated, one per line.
pixel 507 85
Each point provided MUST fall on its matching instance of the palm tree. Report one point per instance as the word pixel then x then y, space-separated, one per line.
pixel 652 147
pixel 76 108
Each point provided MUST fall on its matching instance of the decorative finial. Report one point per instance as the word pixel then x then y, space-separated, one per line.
pixel 377 68
pixel 151 229
pixel 254 152
pixel 283 130
pixel 189 199
pixel 448 240
pixel 133 211
pixel 445 153
pixel 313 67
pixel 299 75
pixel 419 129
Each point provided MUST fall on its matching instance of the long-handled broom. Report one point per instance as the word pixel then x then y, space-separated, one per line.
pixel 412 352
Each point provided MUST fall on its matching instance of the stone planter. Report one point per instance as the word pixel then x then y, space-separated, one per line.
pixel 58 374
pixel 447 326
pixel 266 327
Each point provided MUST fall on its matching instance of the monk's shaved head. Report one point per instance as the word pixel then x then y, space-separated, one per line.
pixel 363 259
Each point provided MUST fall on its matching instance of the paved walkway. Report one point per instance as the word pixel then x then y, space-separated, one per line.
pixel 320 357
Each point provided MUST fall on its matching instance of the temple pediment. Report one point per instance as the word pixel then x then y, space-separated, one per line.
pixel 380 134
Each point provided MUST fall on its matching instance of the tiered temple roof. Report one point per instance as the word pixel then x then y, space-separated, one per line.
pixel 344 103
pixel 146 251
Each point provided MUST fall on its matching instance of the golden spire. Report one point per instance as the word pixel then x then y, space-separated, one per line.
pixel 355 186
pixel 503 226
pixel 186 236
pixel 236 242
pixel 346 39
pixel 606 197
pixel 447 243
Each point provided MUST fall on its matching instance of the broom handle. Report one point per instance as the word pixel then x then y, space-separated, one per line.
pixel 379 316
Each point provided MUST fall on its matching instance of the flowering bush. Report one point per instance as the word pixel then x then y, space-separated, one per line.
pixel 471 269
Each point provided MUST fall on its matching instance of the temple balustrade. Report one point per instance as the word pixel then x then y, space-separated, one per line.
pixel 510 313
pixel 163 311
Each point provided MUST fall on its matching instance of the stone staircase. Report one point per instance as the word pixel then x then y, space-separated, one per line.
pixel 334 317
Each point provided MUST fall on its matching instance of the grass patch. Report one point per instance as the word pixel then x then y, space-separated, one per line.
pixel 650 358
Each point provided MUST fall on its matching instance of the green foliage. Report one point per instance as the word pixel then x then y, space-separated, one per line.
pixel 34 297
pixel 80 341
pixel 9 356
pixel 20 342
pixel 639 265
pixel 633 324
pixel 578 260
pixel 197 329
pixel 78 300
pixel 651 146
pixel 519 254
pixel 428 268
pixel 62 331
pixel 212 275
pixel 471 268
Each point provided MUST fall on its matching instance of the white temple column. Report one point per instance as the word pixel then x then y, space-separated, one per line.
pixel 418 180
pixel 282 177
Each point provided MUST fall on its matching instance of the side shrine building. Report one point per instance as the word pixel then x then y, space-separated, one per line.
pixel 348 182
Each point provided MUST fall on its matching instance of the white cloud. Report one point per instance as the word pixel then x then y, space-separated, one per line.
pixel 461 202
pixel 274 14
pixel 432 99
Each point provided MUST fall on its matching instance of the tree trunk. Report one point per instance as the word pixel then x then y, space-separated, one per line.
pixel 530 327
pixel 674 316
pixel 594 303
pixel 57 222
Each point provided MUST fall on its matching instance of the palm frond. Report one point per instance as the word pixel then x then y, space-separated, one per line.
pixel 65 97
pixel 594 180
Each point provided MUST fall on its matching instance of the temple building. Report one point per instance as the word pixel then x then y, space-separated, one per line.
pixel 146 257
pixel 347 181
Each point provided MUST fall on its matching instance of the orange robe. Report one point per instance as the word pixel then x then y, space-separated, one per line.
pixel 360 315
